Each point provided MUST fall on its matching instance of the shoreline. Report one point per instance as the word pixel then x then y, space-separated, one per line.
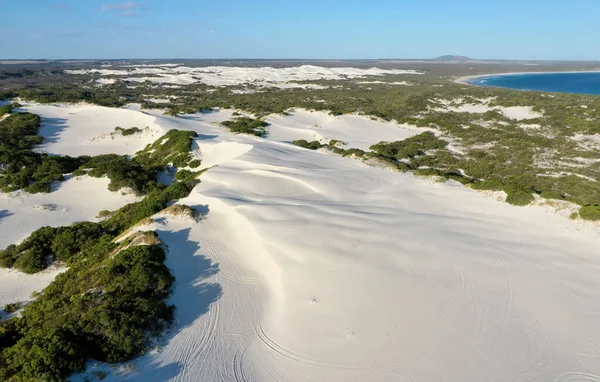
pixel 465 80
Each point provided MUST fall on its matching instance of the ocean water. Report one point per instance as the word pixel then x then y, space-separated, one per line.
pixel 579 83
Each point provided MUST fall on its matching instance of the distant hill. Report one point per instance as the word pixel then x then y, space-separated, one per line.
pixel 452 58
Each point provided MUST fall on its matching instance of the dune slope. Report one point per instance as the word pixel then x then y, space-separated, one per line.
pixel 311 267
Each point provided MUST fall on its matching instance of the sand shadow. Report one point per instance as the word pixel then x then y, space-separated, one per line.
pixel 206 137
pixel 192 294
pixel 158 373
pixel 202 209
pixel 51 129
pixel 5 214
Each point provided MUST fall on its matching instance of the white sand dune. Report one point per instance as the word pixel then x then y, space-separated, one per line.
pixel 231 76
pixel 357 131
pixel 85 129
pixel 309 266
pixel 313 267
pixel 17 287
pixel 518 113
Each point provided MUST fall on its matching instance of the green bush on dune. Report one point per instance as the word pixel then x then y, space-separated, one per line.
pixel 107 306
pixel 591 212
pixel 245 125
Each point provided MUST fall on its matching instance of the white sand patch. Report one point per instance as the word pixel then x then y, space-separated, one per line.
pixel 159 100
pixel 357 131
pixel 85 130
pixel 105 81
pixel 520 113
pixel 16 286
pixel 230 76
pixel 517 113
pixel 404 83
pixel 309 266
pixel 588 142
pixel 77 199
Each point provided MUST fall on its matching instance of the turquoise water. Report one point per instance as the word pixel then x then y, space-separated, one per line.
pixel 579 83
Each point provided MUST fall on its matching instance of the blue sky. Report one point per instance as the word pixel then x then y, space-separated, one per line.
pixel 503 29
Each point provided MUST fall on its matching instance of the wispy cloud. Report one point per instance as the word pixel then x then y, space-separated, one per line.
pixel 122 6
pixel 212 31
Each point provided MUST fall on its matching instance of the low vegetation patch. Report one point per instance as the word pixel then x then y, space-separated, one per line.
pixel 590 212
pixel 314 145
pixel 174 147
pixel 5 109
pixel 104 308
pixel 245 125
pixel 129 131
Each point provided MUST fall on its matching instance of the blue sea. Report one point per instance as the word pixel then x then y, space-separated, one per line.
pixel 579 83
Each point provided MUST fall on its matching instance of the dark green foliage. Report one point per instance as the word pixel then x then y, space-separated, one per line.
pixel 552 195
pixel 518 197
pixel 6 109
pixel 591 212
pixel 104 213
pixel 154 202
pixel 21 167
pixel 42 186
pixel 314 145
pixel 195 163
pixel 410 147
pixel 79 172
pixel 103 308
pixel 185 175
pixel 247 125
pixel 123 172
pixel 11 308
pixel 491 185
pixel 112 96
pixel 129 131
pixel 48 244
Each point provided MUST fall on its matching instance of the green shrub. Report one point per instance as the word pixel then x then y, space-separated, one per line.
pixel 591 212
pixel 247 125
pixel 173 147
pixel 409 147
pixel 129 131
pixel 490 185
pixel 104 213
pixel 5 109
pixel 552 195
pixel 78 172
pixel 11 308
pixel 39 187
pixel 518 197
pixel 314 145
pixel 104 309
pixel 195 163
